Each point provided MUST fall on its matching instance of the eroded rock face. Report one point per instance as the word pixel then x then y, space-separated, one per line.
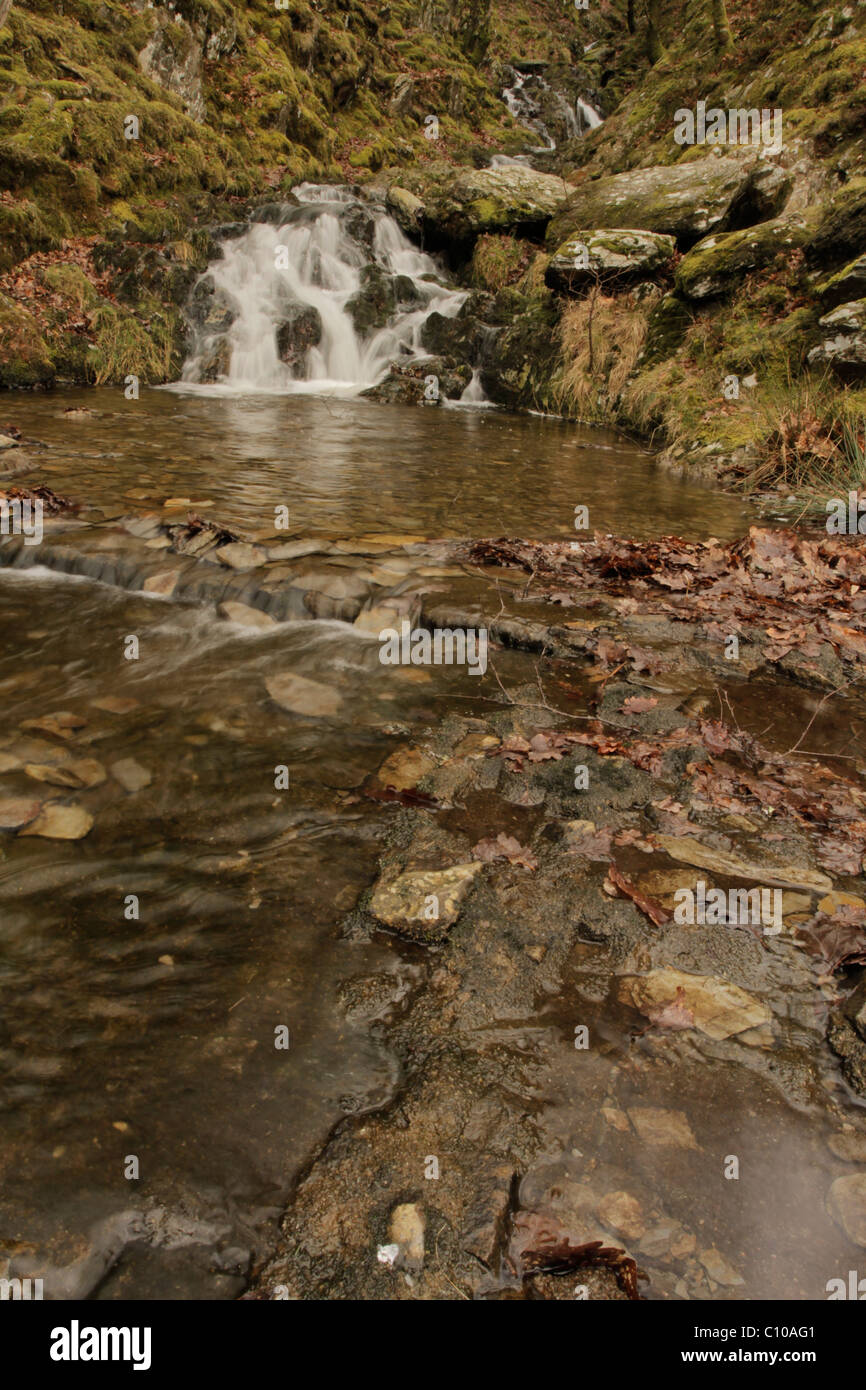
pixel 608 255
pixel 174 53
pixel 685 201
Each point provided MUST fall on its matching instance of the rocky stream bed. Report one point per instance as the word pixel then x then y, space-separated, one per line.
pixel 547 1086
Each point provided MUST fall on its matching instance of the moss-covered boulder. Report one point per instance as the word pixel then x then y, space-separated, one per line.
pixel 719 263
pixel 843 346
pixel 668 322
pixel 605 256
pixel 846 284
pixel 457 338
pixel 841 230
pixel 684 200
pixel 423 381
pixel 520 365
pixel 457 205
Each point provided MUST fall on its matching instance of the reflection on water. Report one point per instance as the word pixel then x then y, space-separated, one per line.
pixel 354 466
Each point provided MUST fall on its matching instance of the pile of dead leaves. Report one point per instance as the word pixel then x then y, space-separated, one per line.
pixel 797 592
pixel 51 502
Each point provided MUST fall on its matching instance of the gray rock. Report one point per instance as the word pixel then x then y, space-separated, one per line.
pixel 684 200
pixel 608 255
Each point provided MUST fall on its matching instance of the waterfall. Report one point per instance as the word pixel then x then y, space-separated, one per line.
pixel 320 297
pixel 525 98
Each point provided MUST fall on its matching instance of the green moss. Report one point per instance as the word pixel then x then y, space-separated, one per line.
pixel 25 360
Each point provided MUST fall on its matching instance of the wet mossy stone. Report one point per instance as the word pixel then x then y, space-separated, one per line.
pixel 374 303
pixel 721 262
pixel 300 330
pixel 455 337
pixel 208 308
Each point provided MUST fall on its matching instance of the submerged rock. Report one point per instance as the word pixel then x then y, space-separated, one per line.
pixel 56 822
pixel 718 1008
pixel 846 1202
pixel 303 696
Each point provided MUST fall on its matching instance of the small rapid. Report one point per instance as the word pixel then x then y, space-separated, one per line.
pixel 320 297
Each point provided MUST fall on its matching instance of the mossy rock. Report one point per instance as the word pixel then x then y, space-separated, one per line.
pixel 720 263
pixel 841 230
pixel 460 204
pixel 606 256
pixel 684 200
pixel 520 367
pixel 847 284
pixel 374 303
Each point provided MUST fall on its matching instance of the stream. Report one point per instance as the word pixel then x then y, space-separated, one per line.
pixel 147 968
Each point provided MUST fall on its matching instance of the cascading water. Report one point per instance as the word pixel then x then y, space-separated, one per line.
pixel 321 299
pixel 529 97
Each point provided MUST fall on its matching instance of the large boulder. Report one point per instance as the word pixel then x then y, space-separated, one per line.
pixel 684 200
pixel 720 263
pixel 844 343
pixel 602 255
pixel 450 205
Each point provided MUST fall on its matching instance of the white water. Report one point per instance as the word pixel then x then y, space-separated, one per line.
pixel 314 259
pixel 525 108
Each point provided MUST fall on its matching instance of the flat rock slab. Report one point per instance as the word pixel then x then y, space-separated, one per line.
pixel 303 696
pixel 246 615
pixel 17 811
pixel 690 851
pixel 717 1007
pixel 240 556
pixel 56 822
pixel 846 1203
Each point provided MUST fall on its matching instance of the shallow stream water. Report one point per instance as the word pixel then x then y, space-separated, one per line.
pixel 153 1036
